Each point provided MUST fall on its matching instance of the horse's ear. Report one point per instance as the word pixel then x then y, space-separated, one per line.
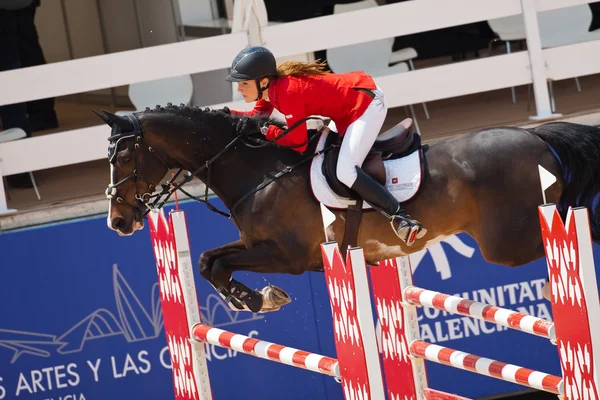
pixel 122 122
pixel 103 117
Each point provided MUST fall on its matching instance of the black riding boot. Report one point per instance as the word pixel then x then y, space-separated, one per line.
pixel 406 227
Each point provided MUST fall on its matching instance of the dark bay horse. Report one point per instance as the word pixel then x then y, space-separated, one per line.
pixel 484 183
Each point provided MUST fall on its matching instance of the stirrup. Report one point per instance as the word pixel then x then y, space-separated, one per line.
pixel 410 232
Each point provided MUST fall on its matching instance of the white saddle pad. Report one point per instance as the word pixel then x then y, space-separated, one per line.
pixel 403 178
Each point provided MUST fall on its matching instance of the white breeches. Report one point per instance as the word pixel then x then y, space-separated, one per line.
pixel 359 139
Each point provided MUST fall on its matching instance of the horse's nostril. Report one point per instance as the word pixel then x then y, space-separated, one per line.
pixel 118 223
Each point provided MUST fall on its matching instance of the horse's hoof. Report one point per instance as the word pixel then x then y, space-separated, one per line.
pixel 274 298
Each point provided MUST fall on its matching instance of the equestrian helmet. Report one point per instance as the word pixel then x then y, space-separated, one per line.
pixel 252 63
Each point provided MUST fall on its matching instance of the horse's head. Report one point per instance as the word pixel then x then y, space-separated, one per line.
pixel 212 145
pixel 135 172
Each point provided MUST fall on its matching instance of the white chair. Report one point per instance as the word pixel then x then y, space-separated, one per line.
pixel 559 27
pixel 177 90
pixel 373 57
pixel 8 135
pixel 565 26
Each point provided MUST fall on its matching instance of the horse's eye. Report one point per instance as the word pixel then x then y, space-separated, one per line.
pixel 124 158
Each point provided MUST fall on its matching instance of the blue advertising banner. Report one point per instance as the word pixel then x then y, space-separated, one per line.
pixel 81 317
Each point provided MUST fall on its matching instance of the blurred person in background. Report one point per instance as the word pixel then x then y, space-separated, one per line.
pixel 40 112
pixel 12 115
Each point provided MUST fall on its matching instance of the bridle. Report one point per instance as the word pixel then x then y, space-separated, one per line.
pixel 147 202
pixel 141 204
pixel 150 201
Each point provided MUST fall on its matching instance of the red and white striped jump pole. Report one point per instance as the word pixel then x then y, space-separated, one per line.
pixel 269 351
pixel 496 315
pixel 486 366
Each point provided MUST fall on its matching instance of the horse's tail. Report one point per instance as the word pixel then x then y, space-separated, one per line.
pixel 577 147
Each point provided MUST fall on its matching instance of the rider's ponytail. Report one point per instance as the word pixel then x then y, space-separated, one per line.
pixel 294 68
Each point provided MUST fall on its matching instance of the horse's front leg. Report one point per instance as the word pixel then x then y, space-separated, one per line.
pixel 206 264
pixel 208 258
pixel 264 257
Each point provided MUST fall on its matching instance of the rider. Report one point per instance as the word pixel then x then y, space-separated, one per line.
pixel 353 102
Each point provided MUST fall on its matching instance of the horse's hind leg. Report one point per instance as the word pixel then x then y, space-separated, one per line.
pixel 509 230
pixel 264 257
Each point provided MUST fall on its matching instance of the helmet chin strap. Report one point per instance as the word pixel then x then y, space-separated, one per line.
pixel 260 89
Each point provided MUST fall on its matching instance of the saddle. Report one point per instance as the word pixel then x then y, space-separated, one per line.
pixel 396 142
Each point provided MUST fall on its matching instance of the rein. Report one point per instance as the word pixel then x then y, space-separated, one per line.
pixel 143 202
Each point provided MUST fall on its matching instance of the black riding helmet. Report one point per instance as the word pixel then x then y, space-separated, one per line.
pixel 253 62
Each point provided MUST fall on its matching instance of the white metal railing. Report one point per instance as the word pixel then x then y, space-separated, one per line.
pixel 575 60
pixel 401 89
pixel 121 68
pixel 381 22
pixel 455 80
pixel 100 72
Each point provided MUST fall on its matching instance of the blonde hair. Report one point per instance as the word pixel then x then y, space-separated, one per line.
pixel 295 68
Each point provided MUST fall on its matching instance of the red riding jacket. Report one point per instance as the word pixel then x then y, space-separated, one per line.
pixel 298 97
